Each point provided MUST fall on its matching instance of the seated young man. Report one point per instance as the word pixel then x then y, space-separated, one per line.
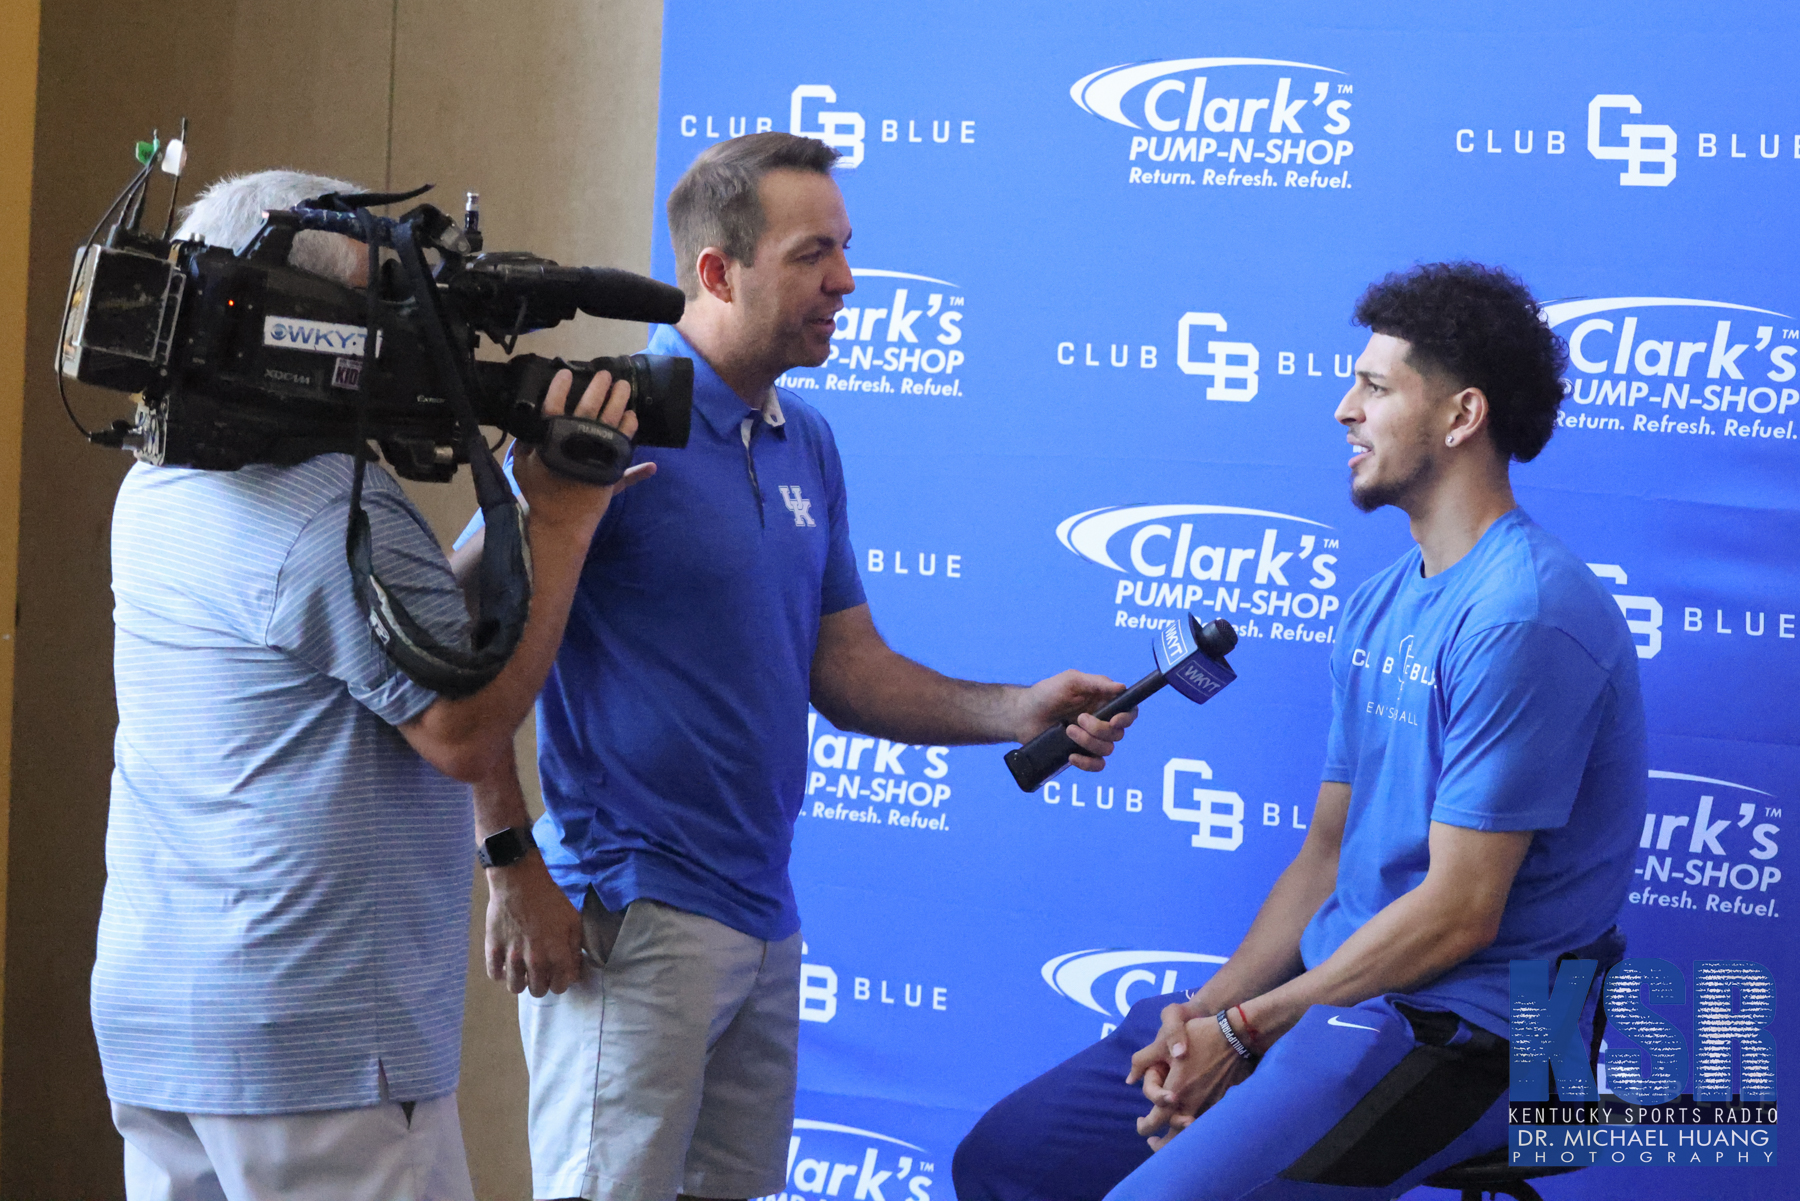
pixel 1482 791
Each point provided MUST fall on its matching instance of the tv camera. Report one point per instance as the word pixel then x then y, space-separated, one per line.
pixel 236 358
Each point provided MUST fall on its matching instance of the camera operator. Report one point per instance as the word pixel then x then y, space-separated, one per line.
pixel 278 990
pixel 673 729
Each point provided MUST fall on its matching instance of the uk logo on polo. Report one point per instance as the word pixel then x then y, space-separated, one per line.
pixel 798 505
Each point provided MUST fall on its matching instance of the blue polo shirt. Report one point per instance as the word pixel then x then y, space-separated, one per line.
pixel 285 925
pixel 672 729
pixel 1499 694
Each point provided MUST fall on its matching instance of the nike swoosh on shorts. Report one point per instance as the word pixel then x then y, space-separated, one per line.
pixel 1338 1021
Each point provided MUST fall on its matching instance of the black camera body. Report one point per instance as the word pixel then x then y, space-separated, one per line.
pixel 242 358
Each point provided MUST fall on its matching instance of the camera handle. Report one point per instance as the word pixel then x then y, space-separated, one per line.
pixel 589 451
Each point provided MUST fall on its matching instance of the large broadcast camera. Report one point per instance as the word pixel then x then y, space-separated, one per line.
pixel 241 358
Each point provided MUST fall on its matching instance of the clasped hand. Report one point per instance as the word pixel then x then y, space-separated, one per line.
pixel 1184 1071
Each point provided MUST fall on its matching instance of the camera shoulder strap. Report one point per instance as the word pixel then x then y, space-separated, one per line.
pixel 505 580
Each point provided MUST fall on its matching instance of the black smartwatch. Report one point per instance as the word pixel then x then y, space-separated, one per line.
pixel 505 848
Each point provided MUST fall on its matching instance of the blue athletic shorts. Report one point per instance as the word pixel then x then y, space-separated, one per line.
pixel 1352 1104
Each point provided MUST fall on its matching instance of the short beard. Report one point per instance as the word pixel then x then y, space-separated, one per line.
pixel 1393 492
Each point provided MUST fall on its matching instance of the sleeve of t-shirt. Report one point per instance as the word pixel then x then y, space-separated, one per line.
pixel 1337 737
pixel 1524 701
pixel 316 617
pixel 842 588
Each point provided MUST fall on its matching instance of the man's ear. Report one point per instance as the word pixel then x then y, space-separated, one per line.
pixel 713 269
pixel 1468 414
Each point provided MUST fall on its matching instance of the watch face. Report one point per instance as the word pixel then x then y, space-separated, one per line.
pixel 506 847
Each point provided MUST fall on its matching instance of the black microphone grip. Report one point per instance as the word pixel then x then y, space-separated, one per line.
pixel 1049 752
pixel 1132 697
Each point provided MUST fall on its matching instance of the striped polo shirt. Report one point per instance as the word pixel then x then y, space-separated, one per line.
pixel 287 895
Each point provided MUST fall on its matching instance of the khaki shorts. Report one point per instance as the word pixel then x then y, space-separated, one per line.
pixel 386 1152
pixel 669 1069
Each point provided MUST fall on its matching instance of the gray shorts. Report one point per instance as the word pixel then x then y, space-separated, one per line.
pixel 386 1152
pixel 668 1070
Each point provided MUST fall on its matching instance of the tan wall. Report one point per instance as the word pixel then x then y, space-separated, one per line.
pixel 18 107
pixel 550 114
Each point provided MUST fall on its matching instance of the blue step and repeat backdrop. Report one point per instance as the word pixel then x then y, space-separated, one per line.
pixel 1105 258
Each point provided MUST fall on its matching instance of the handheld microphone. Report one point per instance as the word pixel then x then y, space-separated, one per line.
pixel 1189 655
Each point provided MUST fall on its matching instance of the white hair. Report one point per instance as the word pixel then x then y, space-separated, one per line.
pixel 230 211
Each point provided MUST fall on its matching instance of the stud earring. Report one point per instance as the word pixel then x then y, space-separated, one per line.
pixel 1449 439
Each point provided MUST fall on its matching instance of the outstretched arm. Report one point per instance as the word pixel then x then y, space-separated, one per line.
pixel 860 684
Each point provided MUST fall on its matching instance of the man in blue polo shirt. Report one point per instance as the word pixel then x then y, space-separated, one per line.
pixel 672 730
pixel 1483 791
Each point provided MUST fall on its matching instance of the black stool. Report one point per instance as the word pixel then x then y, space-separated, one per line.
pixel 1491 1175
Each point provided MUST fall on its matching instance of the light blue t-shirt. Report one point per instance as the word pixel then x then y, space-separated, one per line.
pixel 287 894
pixel 672 730
pixel 1500 694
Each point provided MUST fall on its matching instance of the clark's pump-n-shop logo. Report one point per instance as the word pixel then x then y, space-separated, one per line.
pixel 1272 574
pixel 1109 981
pixel 830 1159
pixel 871 782
pixel 1622 133
pixel 898 334
pixel 1227 122
pixel 1675 366
pixel 1710 846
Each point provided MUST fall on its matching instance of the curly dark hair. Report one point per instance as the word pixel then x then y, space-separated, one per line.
pixel 1478 326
